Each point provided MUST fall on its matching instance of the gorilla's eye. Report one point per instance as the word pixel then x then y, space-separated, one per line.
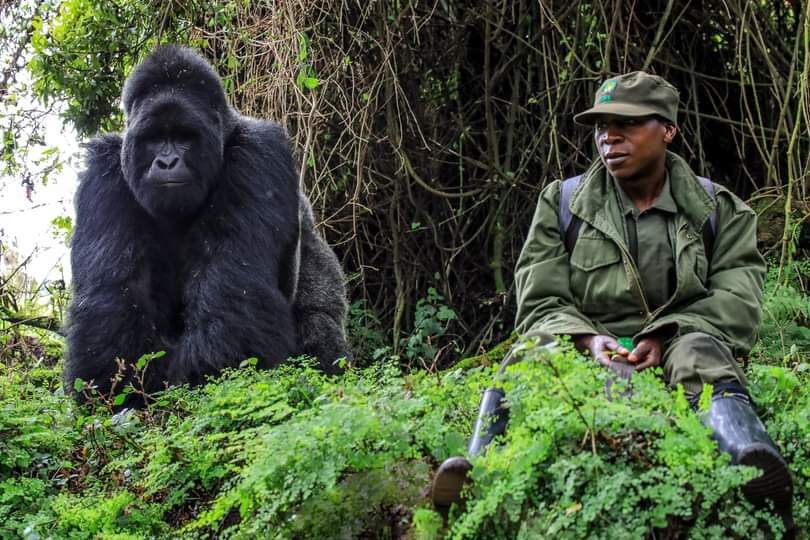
pixel 184 134
pixel 152 136
pixel 154 139
pixel 176 134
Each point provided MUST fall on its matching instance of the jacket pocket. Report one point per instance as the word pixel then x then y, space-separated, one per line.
pixel 592 253
pixel 599 281
pixel 693 271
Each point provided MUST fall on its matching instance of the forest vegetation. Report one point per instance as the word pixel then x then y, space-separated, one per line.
pixel 424 131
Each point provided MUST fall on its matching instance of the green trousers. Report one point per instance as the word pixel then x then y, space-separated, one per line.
pixel 696 359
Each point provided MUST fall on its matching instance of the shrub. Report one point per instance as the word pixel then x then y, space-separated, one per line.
pixel 293 453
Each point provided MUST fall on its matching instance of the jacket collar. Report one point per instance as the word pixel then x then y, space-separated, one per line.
pixel 595 201
pixel 664 202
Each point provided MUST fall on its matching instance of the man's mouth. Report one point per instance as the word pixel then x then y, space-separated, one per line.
pixel 613 159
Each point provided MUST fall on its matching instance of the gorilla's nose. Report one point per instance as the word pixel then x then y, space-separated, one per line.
pixel 166 163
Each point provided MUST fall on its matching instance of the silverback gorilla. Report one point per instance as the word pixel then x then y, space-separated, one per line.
pixel 192 237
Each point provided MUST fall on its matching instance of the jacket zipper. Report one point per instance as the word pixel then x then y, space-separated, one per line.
pixel 631 269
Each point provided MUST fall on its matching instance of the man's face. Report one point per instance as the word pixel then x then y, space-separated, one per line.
pixel 633 148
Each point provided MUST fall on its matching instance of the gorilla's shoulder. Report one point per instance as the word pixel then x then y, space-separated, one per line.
pixel 102 174
pixel 260 152
pixel 103 148
pixel 102 157
pixel 262 136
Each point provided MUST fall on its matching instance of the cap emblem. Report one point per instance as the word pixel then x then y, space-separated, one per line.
pixel 606 91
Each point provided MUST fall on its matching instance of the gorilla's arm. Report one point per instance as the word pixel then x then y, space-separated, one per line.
pixel 112 314
pixel 234 307
pixel 320 303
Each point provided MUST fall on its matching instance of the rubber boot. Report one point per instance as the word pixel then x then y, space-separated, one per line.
pixel 620 370
pixel 491 421
pixel 452 473
pixel 739 432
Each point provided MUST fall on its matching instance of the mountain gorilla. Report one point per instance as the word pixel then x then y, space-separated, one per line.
pixel 192 237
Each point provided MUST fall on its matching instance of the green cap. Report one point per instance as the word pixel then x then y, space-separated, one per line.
pixel 633 94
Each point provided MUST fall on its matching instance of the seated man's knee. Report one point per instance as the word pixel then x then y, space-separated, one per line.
pixel 699 343
pixel 697 358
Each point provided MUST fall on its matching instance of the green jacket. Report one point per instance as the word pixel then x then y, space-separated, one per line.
pixel 598 289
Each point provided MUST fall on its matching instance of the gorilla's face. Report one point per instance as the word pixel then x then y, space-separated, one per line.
pixel 172 154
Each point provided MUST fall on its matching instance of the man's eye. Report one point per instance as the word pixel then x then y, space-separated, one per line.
pixel 635 121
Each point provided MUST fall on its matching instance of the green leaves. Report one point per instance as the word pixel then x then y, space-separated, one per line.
pixel 306 78
pixel 431 321
pixel 303 47
pixel 294 453
pixel 145 359
pixel 575 465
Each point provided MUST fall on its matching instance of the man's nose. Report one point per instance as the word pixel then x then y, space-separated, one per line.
pixel 611 133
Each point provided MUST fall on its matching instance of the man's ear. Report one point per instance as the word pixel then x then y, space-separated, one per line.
pixel 670 131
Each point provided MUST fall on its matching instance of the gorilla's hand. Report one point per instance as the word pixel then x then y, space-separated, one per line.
pixel 600 347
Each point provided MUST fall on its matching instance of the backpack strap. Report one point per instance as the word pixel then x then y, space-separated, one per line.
pixel 710 227
pixel 569 223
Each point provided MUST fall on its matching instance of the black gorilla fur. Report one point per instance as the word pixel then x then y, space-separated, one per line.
pixel 193 237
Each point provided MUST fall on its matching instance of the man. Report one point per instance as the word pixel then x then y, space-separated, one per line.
pixel 640 247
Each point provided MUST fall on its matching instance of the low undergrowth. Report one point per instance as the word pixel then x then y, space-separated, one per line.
pixel 292 453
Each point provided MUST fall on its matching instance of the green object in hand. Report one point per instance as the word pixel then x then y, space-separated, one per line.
pixel 626 342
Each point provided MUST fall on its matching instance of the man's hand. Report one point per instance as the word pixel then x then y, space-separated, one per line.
pixel 647 353
pixel 602 348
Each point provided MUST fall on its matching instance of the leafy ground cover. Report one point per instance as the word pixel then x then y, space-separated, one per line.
pixel 292 453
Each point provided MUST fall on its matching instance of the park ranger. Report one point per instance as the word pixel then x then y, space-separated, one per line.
pixel 640 247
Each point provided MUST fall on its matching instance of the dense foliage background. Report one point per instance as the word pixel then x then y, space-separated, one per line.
pixel 424 132
pixel 426 129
